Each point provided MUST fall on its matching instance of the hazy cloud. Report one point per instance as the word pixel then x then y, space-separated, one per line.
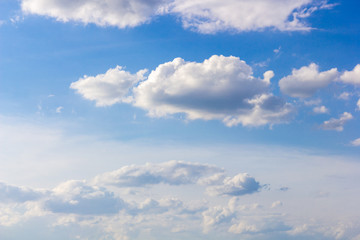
pixel 81 198
pixel 304 82
pixel 356 142
pixel 320 110
pixel 10 193
pixel 337 124
pixel 172 173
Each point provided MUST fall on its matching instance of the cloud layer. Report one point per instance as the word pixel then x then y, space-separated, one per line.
pixel 205 16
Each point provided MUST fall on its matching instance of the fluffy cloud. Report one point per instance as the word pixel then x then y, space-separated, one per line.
pixel 81 198
pixel 352 77
pixel 109 88
pixel 238 185
pixel 210 16
pixel 337 124
pixel 120 13
pixel 205 16
pixel 320 109
pixel 219 88
pixel 172 173
pixel 304 82
pixel 356 142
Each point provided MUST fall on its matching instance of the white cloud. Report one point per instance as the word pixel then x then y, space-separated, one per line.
pixel 211 16
pixel 119 13
pixel 304 82
pixel 337 124
pixel 320 110
pixel 356 142
pixel 109 88
pixel 81 198
pixel 344 96
pixel 358 104
pixel 205 16
pixel 172 173
pixel 59 109
pixel 238 185
pixel 351 77
pixel 221 88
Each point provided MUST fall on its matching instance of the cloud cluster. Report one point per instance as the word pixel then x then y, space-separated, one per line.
pixel 222 88
pixel 10 193
pixel 304 82
pixel 337 124
pixel 204 16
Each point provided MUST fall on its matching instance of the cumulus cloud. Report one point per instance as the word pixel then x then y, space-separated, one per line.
pixel 356 142
pixel 238 185
pixel 119 13
pixel 320 110
pixel 211 16
pixel 352 77
pixel 109 88
pixel 80 198
pixel 172 173
pixel 205 16
pixel 304 82
pixel 337 124
pixel 219 88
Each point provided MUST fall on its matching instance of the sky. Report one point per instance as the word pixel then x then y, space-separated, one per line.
pixel 179 119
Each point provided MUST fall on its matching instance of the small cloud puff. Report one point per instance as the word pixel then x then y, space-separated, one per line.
pixel 337 124
pixel 356 142
pixel 352 77
pixel 320 110
pixel 109 88
pixel 304 82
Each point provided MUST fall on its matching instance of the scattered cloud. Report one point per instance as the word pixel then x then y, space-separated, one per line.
pixel 204 16
pixel 221 88
pixel 320 110
pixel 109 88
pixel 351 77
pixel 172 173
pixel 358 104
pixel 59 109
pixel 304 82
pixel 238 185
pixel 345 96
pixel 337 124
pixel 356 142
pixel 80 198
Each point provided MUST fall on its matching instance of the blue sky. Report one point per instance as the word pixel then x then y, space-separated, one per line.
pixel 216 118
